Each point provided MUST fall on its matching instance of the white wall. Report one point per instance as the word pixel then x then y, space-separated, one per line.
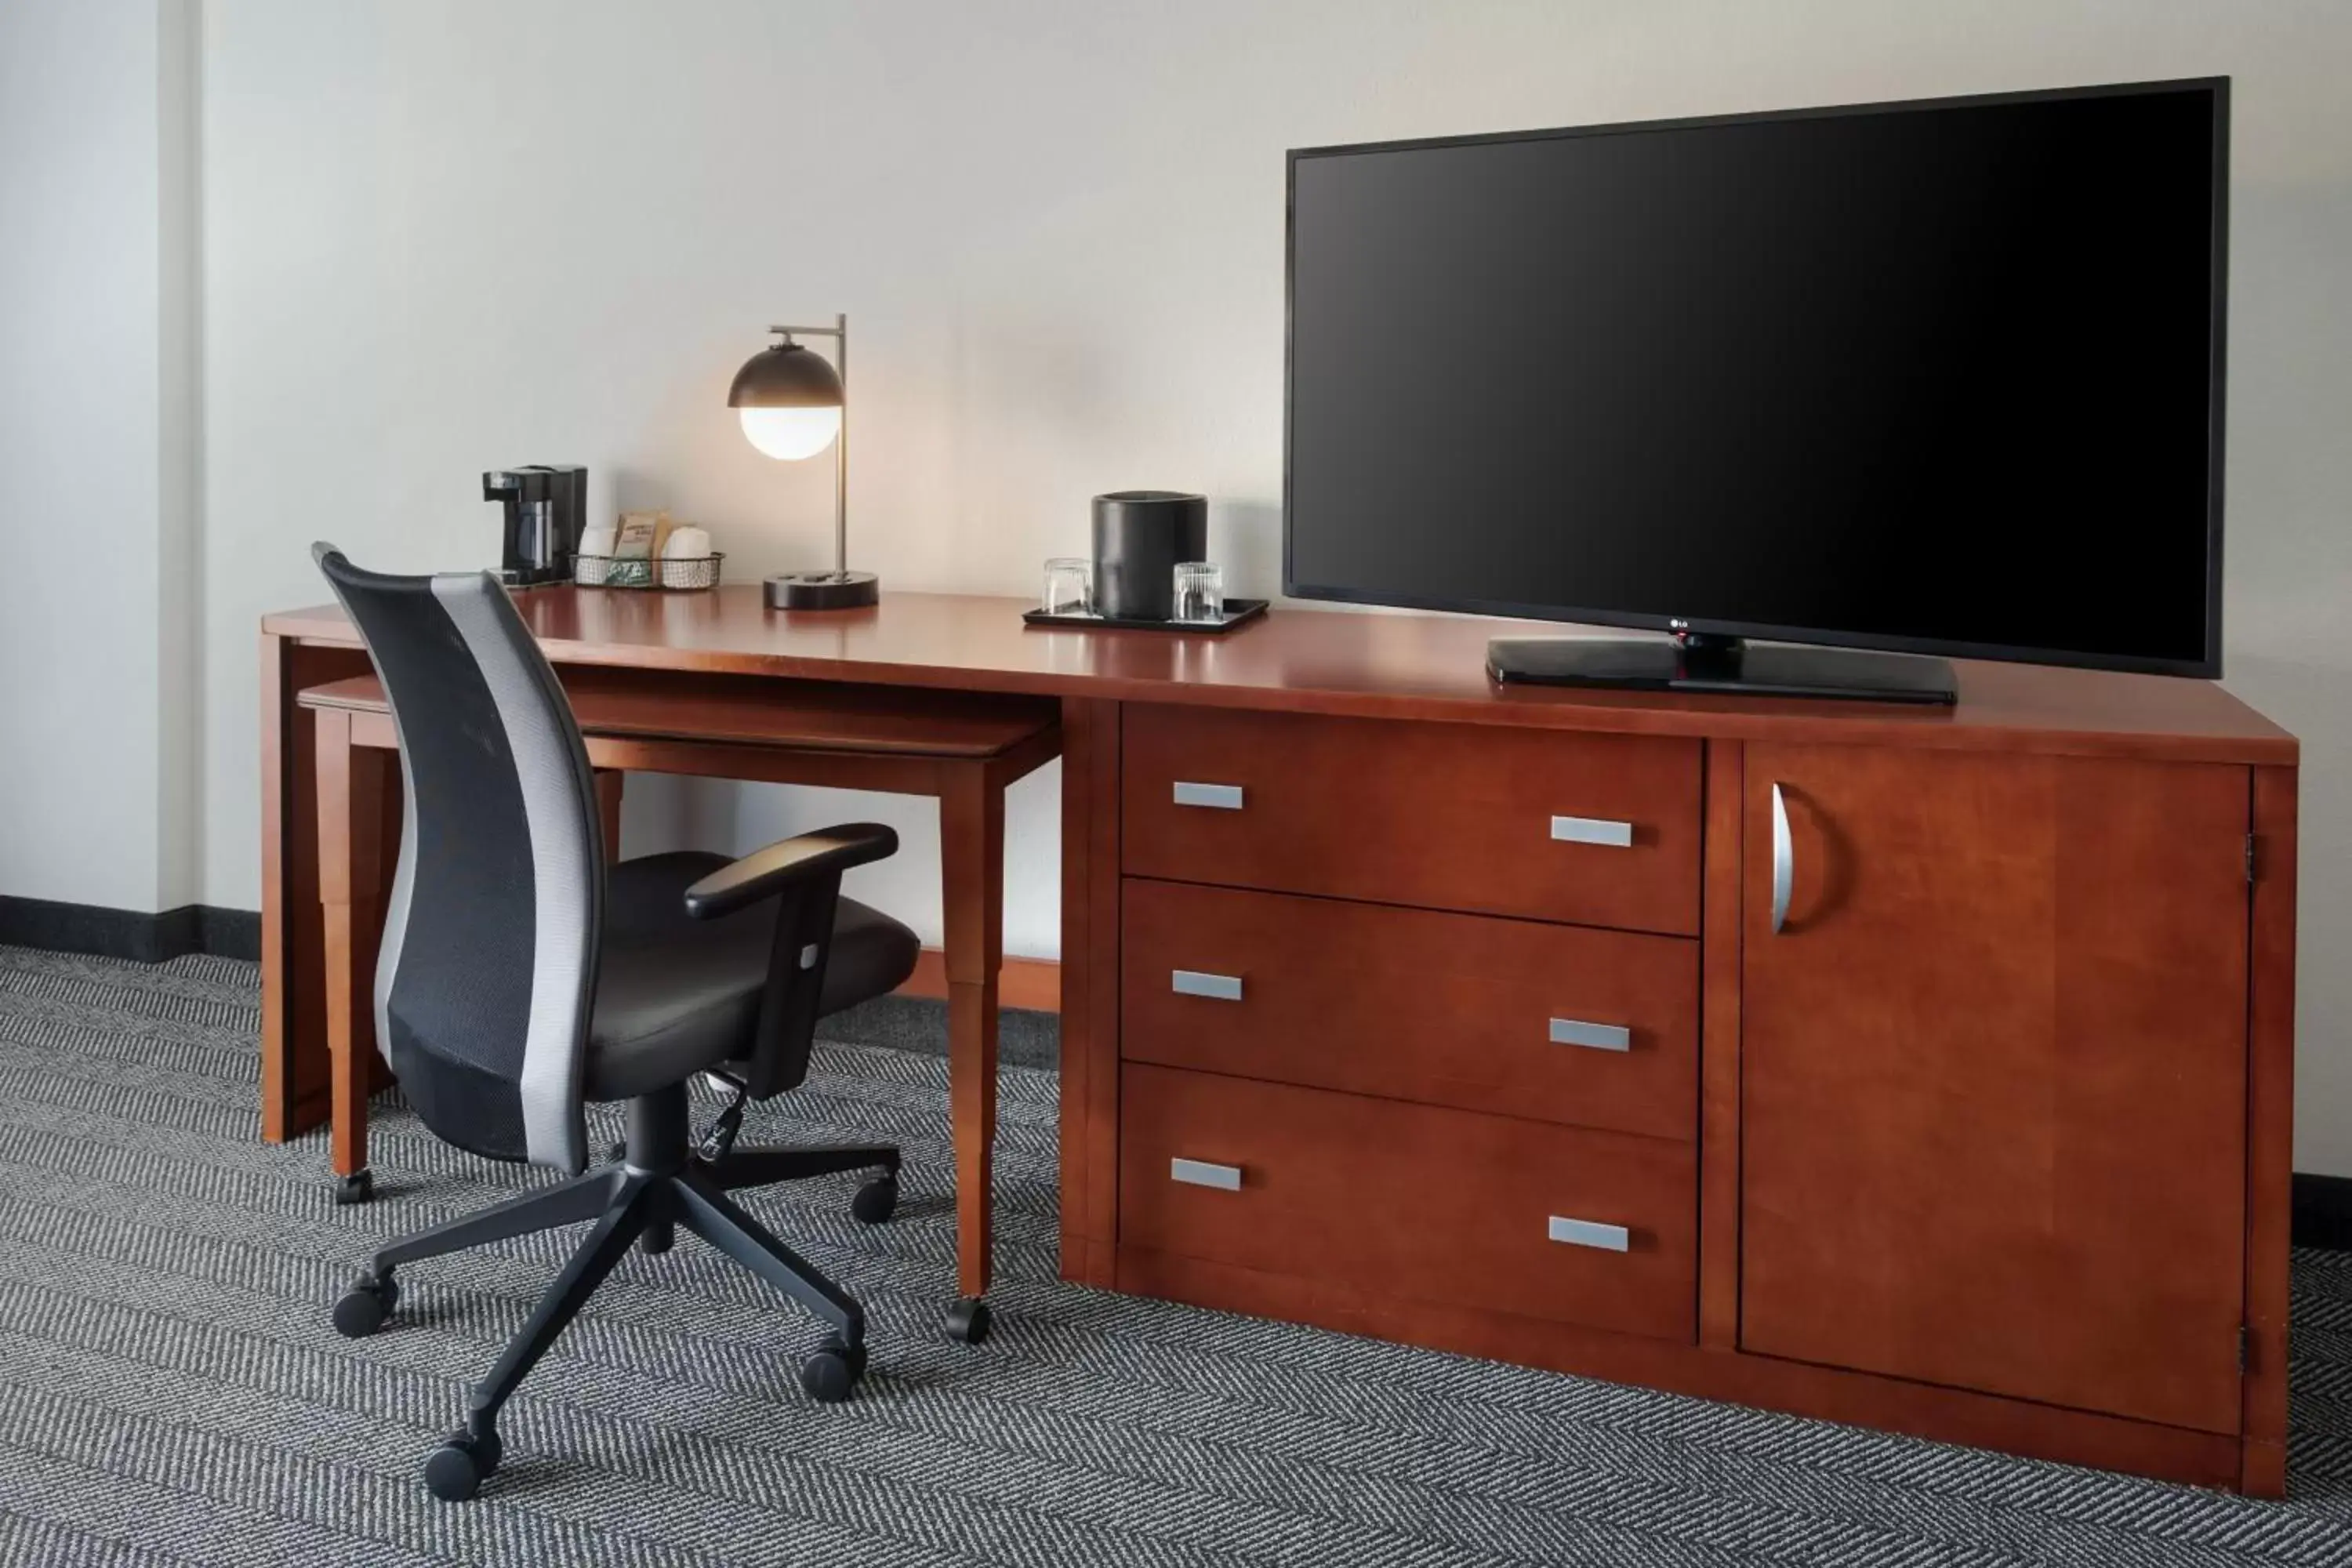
pixel 442 236
pixel 97 780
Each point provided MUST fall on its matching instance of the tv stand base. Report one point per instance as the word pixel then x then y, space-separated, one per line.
pixel 1701 663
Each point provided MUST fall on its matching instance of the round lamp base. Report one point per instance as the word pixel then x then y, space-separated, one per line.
pixel 823 591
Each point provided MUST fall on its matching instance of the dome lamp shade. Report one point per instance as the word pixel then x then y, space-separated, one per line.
pixel 789 401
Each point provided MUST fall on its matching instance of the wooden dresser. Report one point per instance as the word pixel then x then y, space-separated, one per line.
pixel 1910 1070
pixel 1489 1018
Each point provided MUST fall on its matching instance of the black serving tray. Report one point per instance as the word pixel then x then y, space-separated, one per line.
pixel 1238 612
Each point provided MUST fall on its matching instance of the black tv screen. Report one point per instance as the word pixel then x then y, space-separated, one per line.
pixel 1939 377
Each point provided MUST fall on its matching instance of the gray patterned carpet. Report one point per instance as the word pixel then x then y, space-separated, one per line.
pixel 170 1392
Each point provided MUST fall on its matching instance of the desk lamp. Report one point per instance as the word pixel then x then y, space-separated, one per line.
pixel 793 405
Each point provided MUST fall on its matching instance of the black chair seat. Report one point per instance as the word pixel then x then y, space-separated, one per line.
pixel 676 994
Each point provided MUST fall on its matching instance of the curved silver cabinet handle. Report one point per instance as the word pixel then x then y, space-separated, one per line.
pixel 1784 861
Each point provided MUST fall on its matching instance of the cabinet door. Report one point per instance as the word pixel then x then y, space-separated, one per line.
pixel 1993 1074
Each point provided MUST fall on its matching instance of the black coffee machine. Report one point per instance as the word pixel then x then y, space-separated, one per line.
pixel 547 507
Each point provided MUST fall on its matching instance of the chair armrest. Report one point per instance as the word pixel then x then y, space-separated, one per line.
pixel 764 873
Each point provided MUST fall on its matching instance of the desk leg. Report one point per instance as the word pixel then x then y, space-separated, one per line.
pixel 608 811
pixel 279 883
pixel 1090 1065
pixel 294 1057
pixel 356 795
pixel 972 853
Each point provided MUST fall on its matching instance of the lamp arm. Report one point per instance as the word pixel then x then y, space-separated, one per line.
pixel 839 332
pixel 841 452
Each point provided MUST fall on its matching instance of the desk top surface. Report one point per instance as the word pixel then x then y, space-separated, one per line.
pixel 1339 662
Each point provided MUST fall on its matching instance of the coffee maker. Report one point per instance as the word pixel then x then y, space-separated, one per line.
pixel 547 507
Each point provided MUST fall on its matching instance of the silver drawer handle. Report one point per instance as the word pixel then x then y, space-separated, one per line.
pixel 1591 1232
pixel 1201 1174
pixel 1784 862
pixel 1193 982
pixel 1592 830
pixel 1598 1036
pixel 1220 797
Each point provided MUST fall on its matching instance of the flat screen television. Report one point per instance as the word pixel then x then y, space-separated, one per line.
pixel 1939 377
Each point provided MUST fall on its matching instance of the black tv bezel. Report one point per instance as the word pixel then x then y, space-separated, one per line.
pixel 2206 668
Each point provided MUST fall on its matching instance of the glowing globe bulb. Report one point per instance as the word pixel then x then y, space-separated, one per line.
pixel 791 434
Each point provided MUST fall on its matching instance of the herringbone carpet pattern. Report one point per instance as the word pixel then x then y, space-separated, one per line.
pixel 170 1392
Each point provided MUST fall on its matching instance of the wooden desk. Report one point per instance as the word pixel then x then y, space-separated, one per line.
pixel 1988 1141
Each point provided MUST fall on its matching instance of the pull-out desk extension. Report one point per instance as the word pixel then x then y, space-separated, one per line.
pixel 961 749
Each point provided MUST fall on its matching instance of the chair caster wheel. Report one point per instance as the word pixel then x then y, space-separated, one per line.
pixel 967 1321
pixel 831 1373
pixel 362 1309
pixel 876 1201
pixel 657 1238
pixel 356 1188
pixel 456 1471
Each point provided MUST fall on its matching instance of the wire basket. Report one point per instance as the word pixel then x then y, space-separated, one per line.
pixel 677 573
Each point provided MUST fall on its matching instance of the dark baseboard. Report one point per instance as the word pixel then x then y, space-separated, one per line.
pixel 130 933
pixel 1024 1037
pixel 229 933
pixel 2322 1210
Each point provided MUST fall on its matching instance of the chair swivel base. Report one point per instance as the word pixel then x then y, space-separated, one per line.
pixel 655 1191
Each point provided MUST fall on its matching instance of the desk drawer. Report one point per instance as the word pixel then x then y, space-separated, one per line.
pixel 1596 830
pixel 1416 1201
pixel 1597 1028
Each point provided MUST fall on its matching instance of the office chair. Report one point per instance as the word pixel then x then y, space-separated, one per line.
pixel 520 977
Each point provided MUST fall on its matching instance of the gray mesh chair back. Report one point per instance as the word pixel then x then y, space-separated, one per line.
pixel 487 968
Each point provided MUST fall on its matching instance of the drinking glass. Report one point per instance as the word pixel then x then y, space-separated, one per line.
pixel 1069 585
pixel 1200 592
